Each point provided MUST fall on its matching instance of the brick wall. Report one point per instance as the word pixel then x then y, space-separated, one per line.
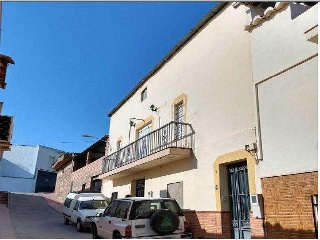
pixel 287 205
pixel 63 182
pixel 84 174
pixel 209 224
pixel 256 225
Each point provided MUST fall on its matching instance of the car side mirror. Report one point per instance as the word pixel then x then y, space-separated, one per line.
pixel 99 215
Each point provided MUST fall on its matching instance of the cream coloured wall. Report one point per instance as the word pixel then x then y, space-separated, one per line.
pixel 290 133
pixel 285 70
pixel 214 72
pixel 280 42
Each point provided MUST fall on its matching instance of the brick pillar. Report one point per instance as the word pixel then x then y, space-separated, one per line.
pixel 256 225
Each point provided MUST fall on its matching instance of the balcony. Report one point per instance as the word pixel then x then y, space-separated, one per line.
pixel 6 125
pixel 173 141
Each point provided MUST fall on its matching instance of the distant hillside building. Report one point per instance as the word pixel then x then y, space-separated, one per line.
pixel 28 169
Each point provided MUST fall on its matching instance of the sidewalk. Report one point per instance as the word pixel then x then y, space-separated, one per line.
pixel 7 230
pixel 6 227
pixel 50 201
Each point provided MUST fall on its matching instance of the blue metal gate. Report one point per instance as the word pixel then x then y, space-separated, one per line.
pixel 239 200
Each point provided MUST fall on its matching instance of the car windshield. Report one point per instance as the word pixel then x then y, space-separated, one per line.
pixel 93 204
pixel 145 208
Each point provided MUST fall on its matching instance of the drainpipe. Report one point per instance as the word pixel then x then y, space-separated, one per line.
pixel 258 128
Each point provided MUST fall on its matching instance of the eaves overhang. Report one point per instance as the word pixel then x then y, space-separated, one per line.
pixel 62 161
pixel 213 12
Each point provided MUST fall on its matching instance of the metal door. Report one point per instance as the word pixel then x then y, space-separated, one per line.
pixel 239 200
pixel 46 181
pixel 140 188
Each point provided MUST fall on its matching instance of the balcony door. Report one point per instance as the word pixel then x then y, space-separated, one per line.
pixel 144 141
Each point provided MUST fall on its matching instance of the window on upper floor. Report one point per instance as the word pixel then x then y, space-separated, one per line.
pixel 179 112
pixel 143 94
pixel 119 145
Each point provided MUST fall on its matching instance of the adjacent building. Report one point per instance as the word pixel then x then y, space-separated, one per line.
pixel 76 170
pixel 28 169
pixel 284 39
pixel 6 122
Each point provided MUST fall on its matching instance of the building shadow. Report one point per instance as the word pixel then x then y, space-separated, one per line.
pixel 277 231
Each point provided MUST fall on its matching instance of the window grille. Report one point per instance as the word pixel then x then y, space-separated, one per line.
pixel 178 117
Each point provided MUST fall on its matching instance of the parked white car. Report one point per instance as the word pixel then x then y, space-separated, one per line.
pixel 81 208
pixel 141 218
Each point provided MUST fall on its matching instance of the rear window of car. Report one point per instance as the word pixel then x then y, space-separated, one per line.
pixel 93 204
pixel 144 209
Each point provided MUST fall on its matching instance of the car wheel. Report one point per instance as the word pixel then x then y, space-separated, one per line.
pixel 94 232
pixel 66 221
pixel 79 226
pixel 116 235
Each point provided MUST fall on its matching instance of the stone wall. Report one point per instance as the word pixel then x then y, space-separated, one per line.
pixel 63 182
pixel 84 175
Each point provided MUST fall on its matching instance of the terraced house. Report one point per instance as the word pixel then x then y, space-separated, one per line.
pixel 225 123
pixel 181 132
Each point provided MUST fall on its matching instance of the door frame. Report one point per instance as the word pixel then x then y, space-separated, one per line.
pixel 220 177
pixel 240 229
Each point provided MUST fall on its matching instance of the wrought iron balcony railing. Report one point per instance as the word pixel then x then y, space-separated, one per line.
pixel 173 134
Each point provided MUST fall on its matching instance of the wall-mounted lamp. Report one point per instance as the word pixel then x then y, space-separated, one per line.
pixel 133 124
pixel 153 108
pixel 253 151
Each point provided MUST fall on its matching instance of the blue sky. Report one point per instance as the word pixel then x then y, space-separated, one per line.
pixel 76 60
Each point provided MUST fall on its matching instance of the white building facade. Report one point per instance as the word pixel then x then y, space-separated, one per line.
pixel 222 121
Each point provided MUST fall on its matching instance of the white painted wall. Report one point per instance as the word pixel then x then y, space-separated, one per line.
pixel 287 102
pixel 214 71
pixel 21 161
pixel 46 157
pixel 16 184
pixel 280 43
pixel 19 166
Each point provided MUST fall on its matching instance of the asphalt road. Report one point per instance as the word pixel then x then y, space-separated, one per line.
pixel 33 218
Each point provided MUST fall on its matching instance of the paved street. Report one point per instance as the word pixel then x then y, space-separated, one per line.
pixel 32 217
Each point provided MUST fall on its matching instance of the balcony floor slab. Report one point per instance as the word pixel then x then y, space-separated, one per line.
pixel 154 160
